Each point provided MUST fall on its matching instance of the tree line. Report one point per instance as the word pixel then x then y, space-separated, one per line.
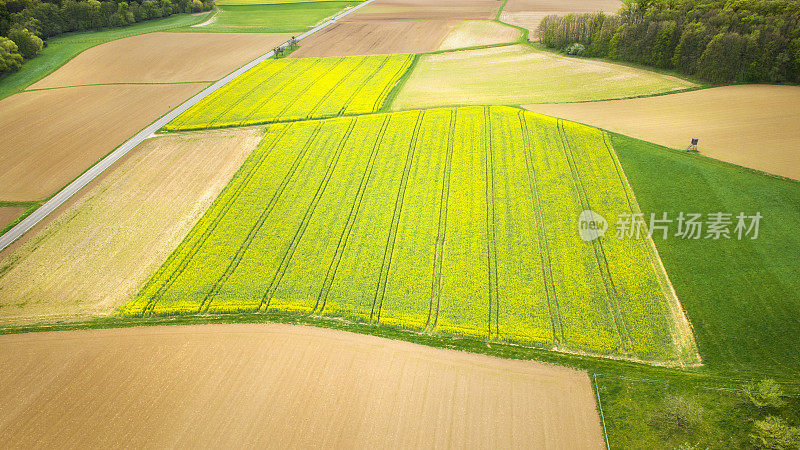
pixel 26 24
pixel 713 40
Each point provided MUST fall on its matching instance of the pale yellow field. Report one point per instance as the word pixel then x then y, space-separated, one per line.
pixel 754 126
pixel 97 253
pixel 163 58
pixel 519 74
pixel 280 386
pixel 8 214
pixel 470 33
pixel 529 13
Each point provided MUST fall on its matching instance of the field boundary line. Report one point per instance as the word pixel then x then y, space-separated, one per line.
pixel 298 235
pixel 338 83
pixel 398 86
pixel 388 88
pixel 600 406
pixel 351 218
pixel 541 231
pixel 380 289
pixel 438 256
pixel 681 327
pixel 256 228
pixel 93 172
pixel 217 211
pixel 605 276
pixel 491 244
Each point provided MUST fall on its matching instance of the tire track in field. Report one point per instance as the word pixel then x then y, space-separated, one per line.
pixel 436 284
pixel 254 230
pixel 544 249
pixel 388 88
pixel 351 218
pixel 284 84
pixel 302 92
pixel 287 256
pixel 363 83
pixel 380 289
pixel 338 83
pixel 218 210
pixel 602 262
pixel 490 222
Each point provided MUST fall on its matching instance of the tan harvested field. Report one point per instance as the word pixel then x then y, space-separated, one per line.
pixel 470 33
pixel 280 386
pixel 754 126
pixel 376 38
pixel 52 136
pixel 8 214
pixel 163 58
pixel 519 74
pixel 428 10
pixel 96 254
pixel 528 13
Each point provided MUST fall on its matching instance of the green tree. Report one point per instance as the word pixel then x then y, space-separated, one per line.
pixel 723 59
pixel 10 58
pixel 774 433
pixel 677 415
pixel 766 394
pixel 28 43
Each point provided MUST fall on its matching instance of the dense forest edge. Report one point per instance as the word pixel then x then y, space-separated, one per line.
pixel 25 25
pixel 733 41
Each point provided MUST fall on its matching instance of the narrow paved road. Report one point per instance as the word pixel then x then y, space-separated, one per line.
pixel 51 205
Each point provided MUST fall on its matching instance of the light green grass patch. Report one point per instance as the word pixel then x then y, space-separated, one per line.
pixel 520 74
pixel 271 18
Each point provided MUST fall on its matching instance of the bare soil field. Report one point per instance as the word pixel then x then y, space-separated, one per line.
pixel 8 214
pixel 428 10
pixel 519 74
pixel 163 58
pixel 470 33
pixel 753 125
pixel 528 13
pixel 280 386
pixel 376 38
pixel 96 254
pixel 52 136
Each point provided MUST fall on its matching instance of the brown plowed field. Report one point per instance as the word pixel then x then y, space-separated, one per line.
pixel 376 38
pixel 528 13
pixel 52 136
pixel 428 10
pixel 280 386
pixel 163 58
pixel 754 126
pixel 96 254
pixel 8 214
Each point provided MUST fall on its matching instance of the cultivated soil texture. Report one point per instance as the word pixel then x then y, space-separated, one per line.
pixel 528 13
pixel 471 33
pixel 96 255
pixel 753 125
pixel 163 58
pixel 52 136
pixel 8 214
pixel 280 386
pixel 516 74
pixel 428 10
pixel 374 38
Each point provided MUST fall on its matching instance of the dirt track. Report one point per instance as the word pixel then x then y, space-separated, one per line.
pixel 96 255
pixel 428 10
pixel 51 136
pixel 754 126
pixel 376 38
pixel 528 13
pixel 279 386
pixel 163 58
pixel 8 214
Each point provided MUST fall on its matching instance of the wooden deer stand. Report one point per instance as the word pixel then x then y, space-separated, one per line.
pixel 693 146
